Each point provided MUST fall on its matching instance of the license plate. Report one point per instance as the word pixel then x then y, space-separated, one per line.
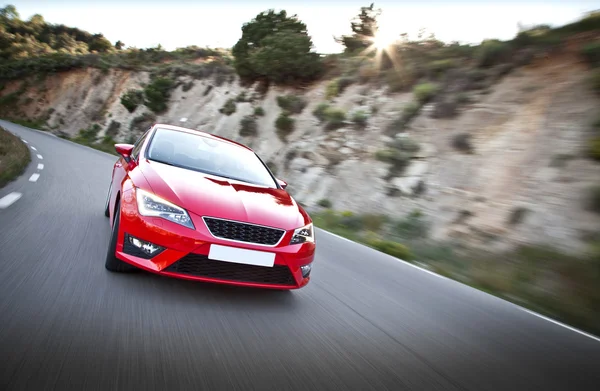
pixel 240 255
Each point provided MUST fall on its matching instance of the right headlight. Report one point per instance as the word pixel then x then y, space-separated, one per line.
pixel 303 234
pixel 152 205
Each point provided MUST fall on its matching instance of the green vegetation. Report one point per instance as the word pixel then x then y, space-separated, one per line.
pixel 595 81
pixel 228 108
pixel 248 126
pixel 276 47
pixel 493 52
pixel 157 94
pixel 462 142
pixel 591 53
pixel 132 99
pixel 360 118
pixel 320 110
pixel 325 203
pixel 292 103
pixel 284 125
pixel 14 157
pixel 594 148
pixel 142 122
pixel 334 118
pixel 89 137
pixel 409 111
pixel 259 111
pixel 424 92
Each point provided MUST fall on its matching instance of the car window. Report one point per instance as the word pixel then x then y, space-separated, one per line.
pixel 137 147
pixel 201 153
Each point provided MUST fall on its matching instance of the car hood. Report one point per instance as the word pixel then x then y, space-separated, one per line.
pixel 208 195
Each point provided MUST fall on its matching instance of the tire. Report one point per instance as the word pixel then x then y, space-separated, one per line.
pixel 106 207
pixel 113 263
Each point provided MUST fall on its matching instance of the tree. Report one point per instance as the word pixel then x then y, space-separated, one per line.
pixel 262 51
pixel 364 27
pixel 119 45
pixel 99 43
pixel 9 13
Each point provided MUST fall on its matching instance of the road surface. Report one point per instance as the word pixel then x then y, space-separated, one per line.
pixel 365 322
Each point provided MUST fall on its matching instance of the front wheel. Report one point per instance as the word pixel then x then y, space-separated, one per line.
pixel 113 263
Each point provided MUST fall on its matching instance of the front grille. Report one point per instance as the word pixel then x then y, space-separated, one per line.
pixel 201 266
pixel 243 232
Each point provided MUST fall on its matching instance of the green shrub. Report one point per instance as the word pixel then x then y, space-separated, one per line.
pixel 113 128
pixel 248 126
pixel 439 67
pixel 591 53
pixel 241 97
pixel 343 83
pixel 594 148
pixel 158 93
pixel 399 159
pixel 412 226
pixel 462 142
pixel 320 111
pixel 292 103
pixel 228 108
pixel 325 203
pixel 132 99
pixel 373 222
pixel 360 118
pixel 335 118
pixel 492 52
pixel 142 122
pixel 88 135
pixel 259 111
pixel 187 86
pixel 332 90
pixel 400 80
pixel 391 248
pixel 406 144
pixel 424 92
pixel 285 125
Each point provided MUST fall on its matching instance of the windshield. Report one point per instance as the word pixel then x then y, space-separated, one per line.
pixel 200 153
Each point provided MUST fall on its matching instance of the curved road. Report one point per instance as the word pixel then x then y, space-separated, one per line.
pixel 365 322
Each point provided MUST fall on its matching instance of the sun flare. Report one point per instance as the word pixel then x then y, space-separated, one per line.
pixel 383 40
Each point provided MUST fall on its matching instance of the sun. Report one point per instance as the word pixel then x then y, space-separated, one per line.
pixel 384 39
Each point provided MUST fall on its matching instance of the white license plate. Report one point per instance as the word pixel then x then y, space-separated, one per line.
pixel 240 255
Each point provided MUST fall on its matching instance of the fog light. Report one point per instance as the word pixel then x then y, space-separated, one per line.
pixel 141 248
pixel 305 270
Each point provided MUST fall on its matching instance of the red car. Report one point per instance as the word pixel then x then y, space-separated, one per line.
pixel 187 204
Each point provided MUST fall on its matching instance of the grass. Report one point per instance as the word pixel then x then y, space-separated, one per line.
pixel 14 157
pixel 541 278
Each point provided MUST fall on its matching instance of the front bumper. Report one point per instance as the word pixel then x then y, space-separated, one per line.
pixel 186 252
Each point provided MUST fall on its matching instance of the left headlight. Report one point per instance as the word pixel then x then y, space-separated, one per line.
pixel 303 235
pixel 152 205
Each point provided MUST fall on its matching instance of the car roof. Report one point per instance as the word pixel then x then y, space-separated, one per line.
pixel 201 133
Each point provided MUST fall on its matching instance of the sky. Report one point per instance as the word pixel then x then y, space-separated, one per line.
pixel 179 23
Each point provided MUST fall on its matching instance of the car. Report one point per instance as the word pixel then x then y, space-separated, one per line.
pixel 189 204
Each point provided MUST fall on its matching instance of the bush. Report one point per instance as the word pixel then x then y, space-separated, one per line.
pixel 285 125
pixel 325 203
pixel 406 144
pixel 360 118
pixel 343 83
pixel 14 157
pixel 187 86
pixel 391 248
pixel 462 142
pixel 424 92
pixel 399 159
pixel 408 113
pixel 492 52
pixel 228 108
pixel 320 111
pixel 259 111
pixel 207 90
pixel 335 118
pixel 439 67
pixel 292 103
pixel 132 99
pixel 142 122
pixel 373 222
pixel 332 90
pixel 446 107
pixel 591 53
pixel 595 148
pixel 400 80
pixel 248 126
pixel 113 128
pixel 412 226
pixel 158 93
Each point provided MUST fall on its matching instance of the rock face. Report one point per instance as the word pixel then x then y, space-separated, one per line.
pixel 517 129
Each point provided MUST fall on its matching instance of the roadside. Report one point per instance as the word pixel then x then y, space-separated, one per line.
pixel 14 157
pixel 540 278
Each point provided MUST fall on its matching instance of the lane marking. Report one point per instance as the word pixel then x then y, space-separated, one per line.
pixel 40 157
pixel 33 148
pixel 40 166
pixel 34 177
pixel 9 199
pixel 25 141
pixel 581 332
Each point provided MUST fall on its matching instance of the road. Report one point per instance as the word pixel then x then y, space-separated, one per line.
pixel 365 322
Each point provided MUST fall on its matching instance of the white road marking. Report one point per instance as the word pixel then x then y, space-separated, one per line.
pixel 40 166
pixel 9 199
pixel 34 148
pixel 34 177
pixel 40 157
pixel 25 141
pixel 591 336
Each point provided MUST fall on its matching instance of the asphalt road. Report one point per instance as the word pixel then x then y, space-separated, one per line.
pixel 365 322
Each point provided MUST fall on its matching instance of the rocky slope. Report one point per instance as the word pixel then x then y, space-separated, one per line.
pixel 524 182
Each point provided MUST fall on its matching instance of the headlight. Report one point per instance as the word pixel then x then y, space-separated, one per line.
pixel 152 205
pixel 303 235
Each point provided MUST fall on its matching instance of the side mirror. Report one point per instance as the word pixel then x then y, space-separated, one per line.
pixel 281 183
pixel 124 150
